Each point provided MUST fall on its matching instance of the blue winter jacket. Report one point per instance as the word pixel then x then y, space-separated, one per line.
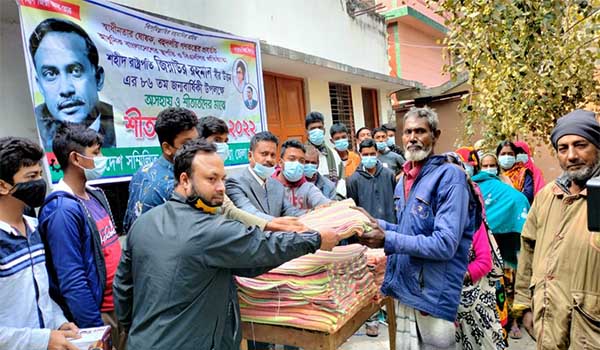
pixel 427 250
pixel 74 257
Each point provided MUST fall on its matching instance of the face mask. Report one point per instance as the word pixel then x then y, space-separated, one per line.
pixel 262 171
pixel 506 162
pixel 469 169
pixel 310 170
pixel 491 171
pixel 523 158
pixel 98 170
pixel 293 171
pixel 341 145
pixel 222 150
pixel 316 136
pixel 196 201
pixel 32 193
pixel 390 142
pixel 381 146
pixel 369 162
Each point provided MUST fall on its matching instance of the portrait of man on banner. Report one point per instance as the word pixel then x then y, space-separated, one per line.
pixel 249 99
pixel 68 75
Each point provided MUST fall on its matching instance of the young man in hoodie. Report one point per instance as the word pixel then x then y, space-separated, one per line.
pixel 372 185
pixel 29 318
pixel 389 159
pixel 290 173
pixel 78 230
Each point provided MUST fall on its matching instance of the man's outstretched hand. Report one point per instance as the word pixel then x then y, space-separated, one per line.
pixel 372 221
pixel 329 239
pixel 373 239
pixel 286 224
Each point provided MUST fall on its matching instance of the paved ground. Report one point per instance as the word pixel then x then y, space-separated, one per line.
pixel 360 341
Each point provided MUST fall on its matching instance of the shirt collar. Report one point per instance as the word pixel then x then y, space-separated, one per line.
pixel 29 221
pixel 256 177
pixel 412 169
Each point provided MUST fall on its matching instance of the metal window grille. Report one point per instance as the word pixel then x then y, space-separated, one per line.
pixel 340 97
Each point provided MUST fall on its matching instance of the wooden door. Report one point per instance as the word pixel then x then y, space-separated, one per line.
pixel 284 97
pixel 370 108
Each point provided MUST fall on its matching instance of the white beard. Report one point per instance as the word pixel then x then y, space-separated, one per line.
pixel 417 156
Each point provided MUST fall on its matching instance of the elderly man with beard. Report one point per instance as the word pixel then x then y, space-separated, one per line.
pixel 558 282
pixel 427 250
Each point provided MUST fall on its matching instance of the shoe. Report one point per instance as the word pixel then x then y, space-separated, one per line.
pixel 372 330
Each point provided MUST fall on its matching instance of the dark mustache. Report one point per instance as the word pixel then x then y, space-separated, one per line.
pixel 70 103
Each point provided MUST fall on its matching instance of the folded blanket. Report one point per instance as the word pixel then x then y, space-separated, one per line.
pixel 340 217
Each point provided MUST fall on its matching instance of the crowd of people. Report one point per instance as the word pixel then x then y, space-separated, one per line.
pixel 476 242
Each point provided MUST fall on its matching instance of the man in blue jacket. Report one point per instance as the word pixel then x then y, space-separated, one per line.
pixel 427 250
pixel 78 230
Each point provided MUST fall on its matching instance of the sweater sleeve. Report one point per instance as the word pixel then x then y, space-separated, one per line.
pixel 234 213
pixel 24 338
pixel 528 188
pixel 482 264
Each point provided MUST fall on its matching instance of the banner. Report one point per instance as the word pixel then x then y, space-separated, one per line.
pixel 114 69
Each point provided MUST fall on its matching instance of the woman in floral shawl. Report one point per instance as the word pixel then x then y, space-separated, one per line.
pixel 538 177
pixel 517 172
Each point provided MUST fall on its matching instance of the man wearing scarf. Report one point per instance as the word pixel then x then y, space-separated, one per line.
pixel 557 280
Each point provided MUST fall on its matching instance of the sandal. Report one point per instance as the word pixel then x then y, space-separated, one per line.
pixel 372 330
pixel 515 332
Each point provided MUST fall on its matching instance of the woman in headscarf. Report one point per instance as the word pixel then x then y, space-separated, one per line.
pixel 538 177
pixel 519 175
pixel 506 211
pixel 478 322
pixel 489 164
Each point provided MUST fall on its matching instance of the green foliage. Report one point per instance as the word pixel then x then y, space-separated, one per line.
pixel 529 62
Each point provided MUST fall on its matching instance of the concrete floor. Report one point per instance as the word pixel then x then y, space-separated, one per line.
pixel 360 341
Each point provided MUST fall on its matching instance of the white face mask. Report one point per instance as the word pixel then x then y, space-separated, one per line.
pixel 98 170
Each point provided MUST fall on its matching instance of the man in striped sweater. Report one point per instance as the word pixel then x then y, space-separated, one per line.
pixel 29 318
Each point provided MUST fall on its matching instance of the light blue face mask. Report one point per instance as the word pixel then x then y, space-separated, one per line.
pixel 491 171
pixel 222 150
pixel 391 141
pixel 316 136
pixel 98 170
pixel 381 146
pixel 310 170
pixel 262 171
pixel 293 171
pixel 342 145
pixel 523 158
pixel 469 169
pixel 506 162
pixel 369 162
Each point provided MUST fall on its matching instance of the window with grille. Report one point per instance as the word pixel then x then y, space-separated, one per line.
pixel 340 96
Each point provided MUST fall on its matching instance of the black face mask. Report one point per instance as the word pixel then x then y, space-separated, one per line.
pixel 31 193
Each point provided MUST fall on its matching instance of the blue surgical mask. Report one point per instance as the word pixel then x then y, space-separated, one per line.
pixel 381 146
pixel 293 171
pixel 310 170
pixel 222 150
pixel 369 162
pixel 491 171
pixel 391 142
pixel 316 136
pixel 263 171
pixel 469 169
pixel 523 158
pixel 98 170
pixel 506 162
pixel 341 145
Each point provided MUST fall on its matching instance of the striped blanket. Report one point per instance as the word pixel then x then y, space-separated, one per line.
pixel 318 291
pixel 338 216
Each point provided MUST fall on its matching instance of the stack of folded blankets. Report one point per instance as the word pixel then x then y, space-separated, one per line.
pixel 338 216
pixel 376 260
pixel 318 291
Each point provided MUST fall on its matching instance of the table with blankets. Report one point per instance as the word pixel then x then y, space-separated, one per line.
pixel 318 291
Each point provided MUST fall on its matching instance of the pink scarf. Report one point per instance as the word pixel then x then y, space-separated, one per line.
pixel 538 177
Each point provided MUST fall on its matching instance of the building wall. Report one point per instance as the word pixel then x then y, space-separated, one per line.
pixel 317 27
pixel 421 57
